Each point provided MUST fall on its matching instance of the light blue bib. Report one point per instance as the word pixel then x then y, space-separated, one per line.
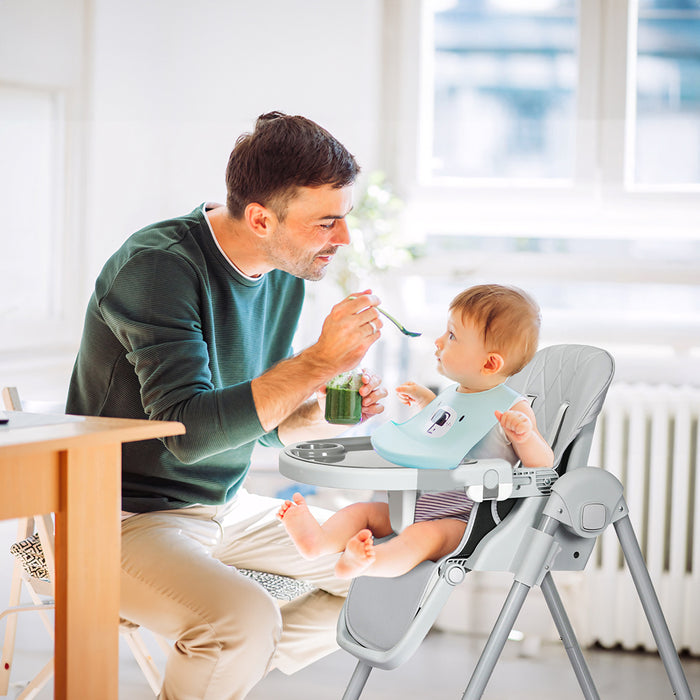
pixel 441 434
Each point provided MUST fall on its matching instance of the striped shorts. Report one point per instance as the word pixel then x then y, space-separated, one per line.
pixel 443 504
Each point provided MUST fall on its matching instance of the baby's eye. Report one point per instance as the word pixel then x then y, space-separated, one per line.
pixel 451 335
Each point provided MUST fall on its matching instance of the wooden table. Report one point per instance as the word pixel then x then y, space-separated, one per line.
pixel 71 466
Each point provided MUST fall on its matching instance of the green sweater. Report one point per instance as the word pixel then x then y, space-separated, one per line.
pixel 174 332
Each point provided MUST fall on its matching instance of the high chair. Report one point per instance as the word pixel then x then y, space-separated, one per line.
pixel 527 522
pixel 33 571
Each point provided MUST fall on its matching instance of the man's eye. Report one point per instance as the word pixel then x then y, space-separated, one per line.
pixel 328 227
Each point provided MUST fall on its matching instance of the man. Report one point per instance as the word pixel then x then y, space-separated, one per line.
pixel 192 319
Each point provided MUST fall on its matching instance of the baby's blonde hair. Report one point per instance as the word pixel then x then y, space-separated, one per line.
pixel 509 317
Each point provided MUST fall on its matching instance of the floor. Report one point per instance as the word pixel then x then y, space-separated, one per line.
pixel 439 669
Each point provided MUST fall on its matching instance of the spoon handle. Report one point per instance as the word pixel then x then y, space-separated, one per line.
pixel 391 318
pixel 411 334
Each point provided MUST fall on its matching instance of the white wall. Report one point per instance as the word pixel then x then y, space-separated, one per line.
pixel 157 93
pixel 174 84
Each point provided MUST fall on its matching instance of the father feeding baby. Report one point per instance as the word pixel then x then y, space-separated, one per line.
pixel 492 333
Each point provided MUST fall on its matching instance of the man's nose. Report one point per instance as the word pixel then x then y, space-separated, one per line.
pixel 341 233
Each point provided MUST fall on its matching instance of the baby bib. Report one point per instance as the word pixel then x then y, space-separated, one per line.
pixel 441 434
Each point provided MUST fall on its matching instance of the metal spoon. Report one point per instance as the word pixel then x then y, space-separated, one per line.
pixel 411 334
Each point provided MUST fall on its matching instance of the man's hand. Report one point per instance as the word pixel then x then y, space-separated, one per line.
pixel 350 329
pixel 352 326
pixel 372 392
pixel 308 421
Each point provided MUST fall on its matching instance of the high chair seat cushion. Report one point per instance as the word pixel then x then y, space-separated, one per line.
pixel 379 611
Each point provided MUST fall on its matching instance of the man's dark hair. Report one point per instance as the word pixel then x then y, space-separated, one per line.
pixel 282 154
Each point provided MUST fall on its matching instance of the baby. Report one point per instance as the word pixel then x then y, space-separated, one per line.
pixel 492 332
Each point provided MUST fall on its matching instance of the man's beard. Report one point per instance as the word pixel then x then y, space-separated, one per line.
pixel 285 258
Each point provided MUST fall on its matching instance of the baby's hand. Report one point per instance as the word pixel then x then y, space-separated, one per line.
pixel 411 393
pixel 517 426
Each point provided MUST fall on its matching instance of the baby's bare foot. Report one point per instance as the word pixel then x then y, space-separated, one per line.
pixel 358 556
pixel 302 527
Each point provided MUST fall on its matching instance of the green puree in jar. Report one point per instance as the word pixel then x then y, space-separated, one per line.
pixel 343 400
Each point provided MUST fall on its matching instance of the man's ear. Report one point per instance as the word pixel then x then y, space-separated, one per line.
pixel 260 219
pixel 494 363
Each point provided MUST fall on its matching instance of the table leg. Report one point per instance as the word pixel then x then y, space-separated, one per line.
pixel 87 574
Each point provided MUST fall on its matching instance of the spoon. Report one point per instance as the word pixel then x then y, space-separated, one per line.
pixel 410 334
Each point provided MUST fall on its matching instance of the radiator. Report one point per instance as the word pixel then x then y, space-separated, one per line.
pixel 648 437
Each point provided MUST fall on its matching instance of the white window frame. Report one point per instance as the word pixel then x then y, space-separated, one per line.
pixel 45 341
pixel 598 204
pixel 600 201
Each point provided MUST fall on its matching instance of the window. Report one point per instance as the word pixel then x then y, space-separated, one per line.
pixel 42 133
pixel 531 90
pixel 667 119
pixel 31 141
pixel 504 90
pixel 554 144
pixel 42 137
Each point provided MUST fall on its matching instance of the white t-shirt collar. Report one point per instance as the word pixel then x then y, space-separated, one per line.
pixel 205 208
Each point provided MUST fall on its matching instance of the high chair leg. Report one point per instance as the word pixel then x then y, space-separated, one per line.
pixel 652 608
pixel 496 641
pixel 357 681
pixel 540 555
pixel 566 632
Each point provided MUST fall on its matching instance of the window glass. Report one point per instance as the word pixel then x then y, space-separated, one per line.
pixel 667 138
pixel 504 89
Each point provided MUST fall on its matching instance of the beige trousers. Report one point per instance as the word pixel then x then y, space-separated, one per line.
pixel 178 579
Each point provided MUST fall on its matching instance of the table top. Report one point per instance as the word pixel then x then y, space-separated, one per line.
pixel 26 431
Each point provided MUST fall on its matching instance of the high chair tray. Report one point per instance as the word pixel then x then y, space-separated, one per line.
pixel 351 463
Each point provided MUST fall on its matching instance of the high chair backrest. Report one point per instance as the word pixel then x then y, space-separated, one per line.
pixel 567 385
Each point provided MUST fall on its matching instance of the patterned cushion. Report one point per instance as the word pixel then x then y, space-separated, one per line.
pixel 280 587
pixel 31 556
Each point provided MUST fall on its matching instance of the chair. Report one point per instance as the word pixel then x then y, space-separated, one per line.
pixel 529 524
pixel 33 570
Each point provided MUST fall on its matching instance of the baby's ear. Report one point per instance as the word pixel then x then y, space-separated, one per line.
pixel 494 363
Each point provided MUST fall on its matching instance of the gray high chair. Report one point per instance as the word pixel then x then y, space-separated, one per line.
pixel 528 522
